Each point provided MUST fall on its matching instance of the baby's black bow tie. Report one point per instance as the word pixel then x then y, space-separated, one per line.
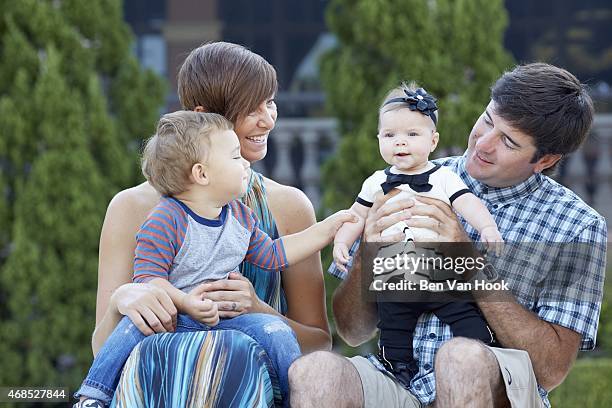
pixel 417 182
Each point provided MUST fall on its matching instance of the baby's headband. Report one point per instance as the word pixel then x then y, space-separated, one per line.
pixel 418 100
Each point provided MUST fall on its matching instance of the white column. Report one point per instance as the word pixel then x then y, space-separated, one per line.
pixel 310 170
pixel 283 171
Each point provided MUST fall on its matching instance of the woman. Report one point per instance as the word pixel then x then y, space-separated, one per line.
pixel 227 79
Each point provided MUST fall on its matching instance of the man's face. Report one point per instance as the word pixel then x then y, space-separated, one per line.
pixel 499 155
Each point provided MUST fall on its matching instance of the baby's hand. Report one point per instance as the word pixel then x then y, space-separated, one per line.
pixel 341 255
pixel 491 236
pixel 200 309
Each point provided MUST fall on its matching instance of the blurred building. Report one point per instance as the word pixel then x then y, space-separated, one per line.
pixel 291 35
pixel 576 35
pixel 285 32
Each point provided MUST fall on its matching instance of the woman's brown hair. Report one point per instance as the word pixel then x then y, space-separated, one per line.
pixel 225 78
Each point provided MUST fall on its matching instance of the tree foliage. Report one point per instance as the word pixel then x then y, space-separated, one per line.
pixel 453 48
pixel 74 105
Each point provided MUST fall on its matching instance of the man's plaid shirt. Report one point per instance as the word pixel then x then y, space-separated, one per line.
pixel 538 210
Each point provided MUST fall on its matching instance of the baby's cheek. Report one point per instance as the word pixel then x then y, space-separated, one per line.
pixel 386 151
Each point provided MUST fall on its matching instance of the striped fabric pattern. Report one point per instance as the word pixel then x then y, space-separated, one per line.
pixel 267 285
pixel 263 252
pixel 196 369
pixel 176 244
pixel 159 240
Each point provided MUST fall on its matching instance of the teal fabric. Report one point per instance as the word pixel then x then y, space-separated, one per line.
pixel 267 285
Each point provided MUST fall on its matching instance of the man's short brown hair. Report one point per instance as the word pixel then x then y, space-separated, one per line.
pixel 547 103
pixel 225 78
pixel 182 139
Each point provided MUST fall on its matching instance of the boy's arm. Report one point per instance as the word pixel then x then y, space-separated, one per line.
pixel 349 232
pixel 155 250
pixel 277 254
pixel 303 244
pixel 156 246
pixel 192 303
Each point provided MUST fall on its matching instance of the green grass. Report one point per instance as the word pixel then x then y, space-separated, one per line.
pixel 589 385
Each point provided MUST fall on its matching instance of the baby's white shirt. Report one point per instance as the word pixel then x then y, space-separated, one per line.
pixel 446 186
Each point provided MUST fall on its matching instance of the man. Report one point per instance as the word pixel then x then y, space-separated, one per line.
pixel 538 113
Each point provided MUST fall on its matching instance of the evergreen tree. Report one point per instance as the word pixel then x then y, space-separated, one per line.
pixel 74 105
pixel 452 48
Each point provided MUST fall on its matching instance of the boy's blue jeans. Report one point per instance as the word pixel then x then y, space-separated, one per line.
pixel 270 332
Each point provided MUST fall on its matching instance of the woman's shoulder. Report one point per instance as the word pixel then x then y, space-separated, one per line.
pixel 133 203
pixel 291 208
pixel 140 195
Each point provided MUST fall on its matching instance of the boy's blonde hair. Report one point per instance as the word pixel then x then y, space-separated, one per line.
pixel 182 139
pixel 398 92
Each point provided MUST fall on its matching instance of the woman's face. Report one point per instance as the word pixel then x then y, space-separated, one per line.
pixel 253 130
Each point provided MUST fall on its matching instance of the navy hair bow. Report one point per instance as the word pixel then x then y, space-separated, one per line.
pixel 418 100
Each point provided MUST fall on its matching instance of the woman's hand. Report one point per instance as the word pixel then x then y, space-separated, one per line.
pixel 233 296
pixel 149 307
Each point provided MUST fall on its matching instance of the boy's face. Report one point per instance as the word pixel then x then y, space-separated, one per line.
pixel 226 168
pixel 406 138
pixel 497 154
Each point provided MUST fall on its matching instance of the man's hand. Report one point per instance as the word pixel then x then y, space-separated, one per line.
pixel 382 216
pixel 200 309
pixel 440 218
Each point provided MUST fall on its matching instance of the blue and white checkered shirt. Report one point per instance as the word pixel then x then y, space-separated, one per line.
pixel 538 210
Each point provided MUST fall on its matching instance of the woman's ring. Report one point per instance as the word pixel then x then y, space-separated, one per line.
pixel 234 306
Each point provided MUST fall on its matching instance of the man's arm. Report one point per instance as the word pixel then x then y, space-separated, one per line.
pixel 355 317
pixel 552 348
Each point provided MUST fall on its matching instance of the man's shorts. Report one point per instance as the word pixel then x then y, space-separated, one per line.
pixel 519 378
pixel 380 390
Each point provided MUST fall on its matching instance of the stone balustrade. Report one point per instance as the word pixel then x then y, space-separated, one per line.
pixel 296 150
pixel 298 147
pixel 589 170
